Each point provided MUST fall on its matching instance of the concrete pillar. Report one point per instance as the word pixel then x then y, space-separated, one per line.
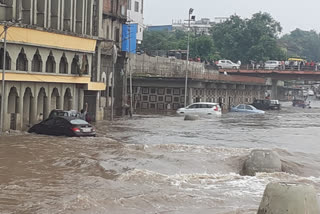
pixel 74 15
pixel 89 17
pixel 19 124
pixel 61 21
pixel 99 63
pixel 80 99
pixel 34 109
pixel 189 96
pixel 47 109
pixel 14 10
pixel 60 101
pixel 34 12
pixel 274 91
pixel 48 13
pixel 100 18
pixel 289 198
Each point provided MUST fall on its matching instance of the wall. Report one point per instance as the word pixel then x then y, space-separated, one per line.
pixel 137 17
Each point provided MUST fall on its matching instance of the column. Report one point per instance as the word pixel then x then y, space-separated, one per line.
pixel 274 92
pixel 61 100
pixel 189 97
pixel 47 109
pixel 61 14
pixel 90 17
pixel 74 15
pixel 48 13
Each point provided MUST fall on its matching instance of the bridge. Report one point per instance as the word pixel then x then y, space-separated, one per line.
pixel 276 74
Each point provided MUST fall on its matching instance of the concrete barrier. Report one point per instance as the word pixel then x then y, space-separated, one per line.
pixel 262 161
pixel 289 198
pixel 191 117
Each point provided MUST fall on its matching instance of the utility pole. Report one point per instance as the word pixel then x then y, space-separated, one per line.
pixel 130 72
pixel 3 78
pixel 187 66
pixel 114 61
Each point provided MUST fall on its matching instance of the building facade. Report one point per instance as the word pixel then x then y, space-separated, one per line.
pixel 52 59
pixel 135 16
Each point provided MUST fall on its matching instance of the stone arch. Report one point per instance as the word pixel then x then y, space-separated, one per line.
pixel 50 64
pixel 63 67
pixel 13 107
pixel 13 100
pixel 75 66
pixel 27 107
pixel 67 104
pixel 8 60
pixel 37 62
pixel 22 61
pixel 55 102
pixel 42 104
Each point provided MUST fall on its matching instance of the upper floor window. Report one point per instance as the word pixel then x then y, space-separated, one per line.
pixel 37 62
pixel 136 6
pixel 22 61
pixel 51 64
pixel 129 4
pixel 63 67
pixel 8 60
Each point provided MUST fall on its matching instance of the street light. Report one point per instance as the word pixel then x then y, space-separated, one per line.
pixel 187 66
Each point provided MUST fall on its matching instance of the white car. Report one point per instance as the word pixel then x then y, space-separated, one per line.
pixel 272 65
pixel 227 64
pixel 201 108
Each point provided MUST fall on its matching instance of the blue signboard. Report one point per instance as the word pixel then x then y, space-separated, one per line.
pixel 129 33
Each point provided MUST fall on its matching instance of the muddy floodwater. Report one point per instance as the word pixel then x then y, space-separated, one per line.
pixel 158 164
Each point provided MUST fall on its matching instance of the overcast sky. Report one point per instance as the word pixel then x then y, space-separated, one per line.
pixel 291 14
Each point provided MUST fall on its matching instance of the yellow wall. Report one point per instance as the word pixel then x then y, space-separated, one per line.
pixel 48 39
pixel 51 78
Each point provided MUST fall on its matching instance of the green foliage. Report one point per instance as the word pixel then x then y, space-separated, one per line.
pixel 248 39
pixel 301 43
pixel 200 45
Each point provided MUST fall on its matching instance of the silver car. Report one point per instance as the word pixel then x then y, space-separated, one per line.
pixel 227 64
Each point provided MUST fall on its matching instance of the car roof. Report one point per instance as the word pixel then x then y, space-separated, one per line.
pixel 205 103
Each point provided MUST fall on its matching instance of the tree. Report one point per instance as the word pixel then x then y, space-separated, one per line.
pixel 301 43
pixel 248 39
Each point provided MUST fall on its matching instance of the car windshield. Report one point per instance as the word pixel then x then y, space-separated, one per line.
pixel 79 122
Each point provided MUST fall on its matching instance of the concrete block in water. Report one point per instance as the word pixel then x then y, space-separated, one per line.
pixel 191 117
pixel 289 198
pixel 262 161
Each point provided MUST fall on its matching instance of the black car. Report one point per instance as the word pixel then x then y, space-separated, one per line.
pixel 267 104
pixel 68 126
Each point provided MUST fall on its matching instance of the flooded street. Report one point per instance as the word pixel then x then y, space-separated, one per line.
pixel 158 164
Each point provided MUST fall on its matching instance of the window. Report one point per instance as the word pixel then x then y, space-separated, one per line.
pixel 117 35
pixel 248 108
pixel 37 62
pixel 8 60
pixel 63 67
pixel 241 107
pixel 129 4
pixel 75 67
pixel 136 6
pixel 50 64
pixel 22 61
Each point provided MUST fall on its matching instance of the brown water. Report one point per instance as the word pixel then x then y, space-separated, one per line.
pixel 157 164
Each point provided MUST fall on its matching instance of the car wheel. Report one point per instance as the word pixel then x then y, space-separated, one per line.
pixel 234 67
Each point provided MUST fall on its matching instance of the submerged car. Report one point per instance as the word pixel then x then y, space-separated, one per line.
pixel 266 104
pixel 246 109
pixel 64 126
pixel 201 108
pixel 299 103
